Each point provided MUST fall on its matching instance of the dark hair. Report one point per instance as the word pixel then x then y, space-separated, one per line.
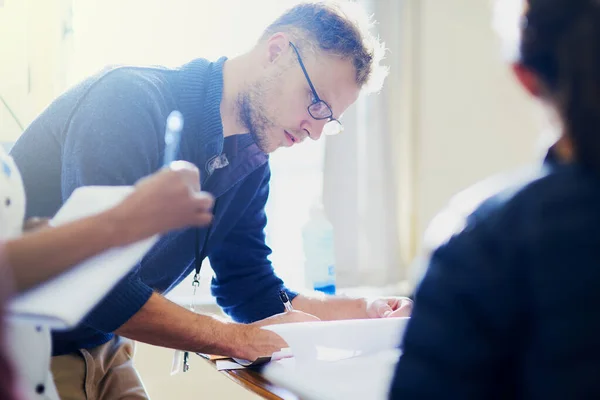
pixel 338 29
pixel 561 44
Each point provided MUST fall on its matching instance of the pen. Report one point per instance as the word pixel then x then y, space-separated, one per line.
pixel 172 136
pixel 286 301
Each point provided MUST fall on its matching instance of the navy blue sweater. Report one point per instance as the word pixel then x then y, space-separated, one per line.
pixel 508 308
pixel 109 130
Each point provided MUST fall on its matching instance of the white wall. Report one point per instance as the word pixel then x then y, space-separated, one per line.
pixel 470 119
pixel 13 66
pixel 34 51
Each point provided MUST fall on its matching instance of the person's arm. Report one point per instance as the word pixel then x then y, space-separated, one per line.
pixel 245 284
pixel 247 288
pixel 163 323
pixel 39 256
pixel 463 330
pixel 329 308
pixel 45 253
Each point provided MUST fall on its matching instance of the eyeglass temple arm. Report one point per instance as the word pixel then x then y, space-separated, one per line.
pixel 312 88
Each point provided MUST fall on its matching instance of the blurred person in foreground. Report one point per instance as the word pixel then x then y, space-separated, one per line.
pixel 508 306
pixel 29 259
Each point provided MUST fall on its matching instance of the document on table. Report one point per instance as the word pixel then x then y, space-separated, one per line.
pixel 64 301
pixel 227 363
pixel 353 359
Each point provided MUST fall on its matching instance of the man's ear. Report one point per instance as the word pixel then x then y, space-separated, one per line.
pixel 528 79
pixel 277 45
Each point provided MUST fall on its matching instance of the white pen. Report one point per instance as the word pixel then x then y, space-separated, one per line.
pixel 172 136
pixel 286 301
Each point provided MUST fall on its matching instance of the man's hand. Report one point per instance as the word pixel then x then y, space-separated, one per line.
pixel 255 342
pixel 389 307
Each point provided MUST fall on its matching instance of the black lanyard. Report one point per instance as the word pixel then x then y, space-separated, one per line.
pixel 200 254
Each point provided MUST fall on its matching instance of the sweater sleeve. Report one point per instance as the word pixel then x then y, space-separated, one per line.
pixel 245 284
pixel 460 339
pixel 113 138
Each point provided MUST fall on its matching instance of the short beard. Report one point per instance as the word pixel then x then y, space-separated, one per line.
pixel 252 116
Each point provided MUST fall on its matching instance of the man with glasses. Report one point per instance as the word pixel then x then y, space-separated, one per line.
pixel 308 67
pixel 319 109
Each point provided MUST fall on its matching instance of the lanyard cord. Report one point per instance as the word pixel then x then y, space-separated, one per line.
pixel 200 254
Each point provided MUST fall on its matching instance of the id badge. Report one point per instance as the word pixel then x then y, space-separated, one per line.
pixel 177 362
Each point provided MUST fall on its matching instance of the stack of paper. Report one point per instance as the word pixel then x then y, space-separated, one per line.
pixel 352 359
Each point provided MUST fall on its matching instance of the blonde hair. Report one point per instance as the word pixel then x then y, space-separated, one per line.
pixel 338 28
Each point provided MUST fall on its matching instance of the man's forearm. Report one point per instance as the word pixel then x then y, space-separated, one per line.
pixel 163 323
pixel 329 308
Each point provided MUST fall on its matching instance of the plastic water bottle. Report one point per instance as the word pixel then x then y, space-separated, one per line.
pixel 319 267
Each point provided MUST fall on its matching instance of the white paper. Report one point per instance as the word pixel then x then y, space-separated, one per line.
pixel 358 378
pixel 65 300
pixel 227 364
pixel 353 359
pixel 334 340
pixel 177 362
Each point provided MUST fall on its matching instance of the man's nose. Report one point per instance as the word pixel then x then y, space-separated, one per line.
pixel 316 128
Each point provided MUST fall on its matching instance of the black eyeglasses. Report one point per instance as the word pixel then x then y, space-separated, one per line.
pixel 319 109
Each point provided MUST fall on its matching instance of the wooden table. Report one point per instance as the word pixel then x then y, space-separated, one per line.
pixel 252 380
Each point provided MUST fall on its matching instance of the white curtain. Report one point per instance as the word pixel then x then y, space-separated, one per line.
pixel 362 174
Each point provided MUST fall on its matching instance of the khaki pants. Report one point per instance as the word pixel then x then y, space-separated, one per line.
pixel 104 372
